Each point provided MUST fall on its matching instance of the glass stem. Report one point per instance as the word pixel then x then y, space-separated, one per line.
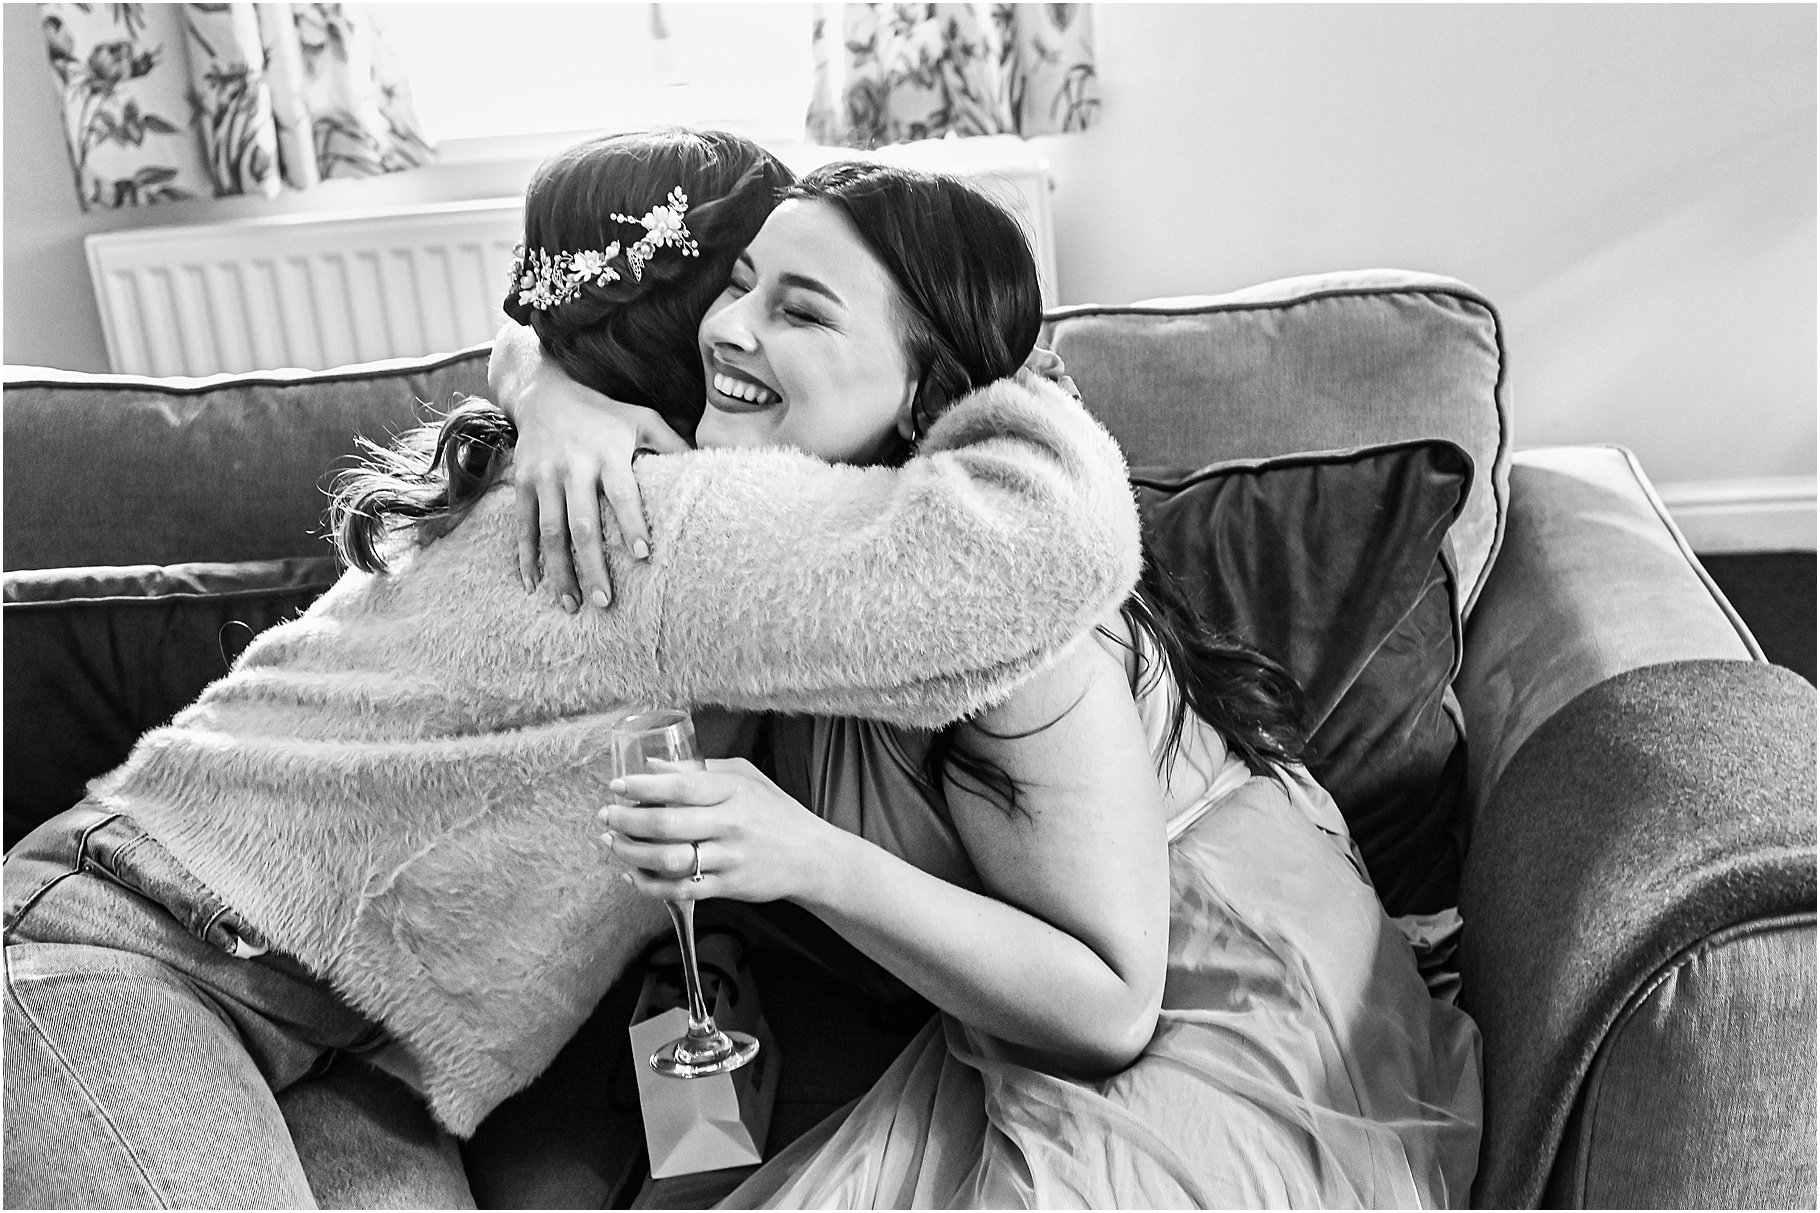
pixel 682 914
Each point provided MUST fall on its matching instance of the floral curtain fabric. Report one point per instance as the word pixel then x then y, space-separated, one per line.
pixel 170 101
pixel 889 73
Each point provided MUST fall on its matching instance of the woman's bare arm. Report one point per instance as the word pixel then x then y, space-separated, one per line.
pixel 1062 953
pixel 1066 954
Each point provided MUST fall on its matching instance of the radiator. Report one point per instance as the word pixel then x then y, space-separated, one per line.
pixel 315 291
pixel 309 291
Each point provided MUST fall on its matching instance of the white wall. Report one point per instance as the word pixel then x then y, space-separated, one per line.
pixel 1633 184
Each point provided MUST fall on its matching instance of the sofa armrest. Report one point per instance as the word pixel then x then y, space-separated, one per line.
pixel 1646 822
pixel 1702 1095
pixel 1593 579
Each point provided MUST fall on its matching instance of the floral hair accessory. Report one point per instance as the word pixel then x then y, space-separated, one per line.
pixel 664 228
pixel 543 281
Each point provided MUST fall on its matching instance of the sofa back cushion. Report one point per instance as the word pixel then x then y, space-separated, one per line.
pixel 1326 362
pixel 117 470
pixel 106 469
pixel 1339 566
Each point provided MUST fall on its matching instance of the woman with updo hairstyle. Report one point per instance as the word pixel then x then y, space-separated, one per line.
pixel 643 355
pixel 341 907
pixel 626 328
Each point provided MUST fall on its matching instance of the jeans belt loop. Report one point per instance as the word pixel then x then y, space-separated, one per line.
pixel 238 946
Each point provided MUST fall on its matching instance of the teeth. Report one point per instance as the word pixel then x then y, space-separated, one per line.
pixel 740 389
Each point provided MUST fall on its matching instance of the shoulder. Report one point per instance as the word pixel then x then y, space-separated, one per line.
pixel 1123 643
pixel 1083 675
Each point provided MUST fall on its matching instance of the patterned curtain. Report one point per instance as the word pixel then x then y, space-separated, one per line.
pixel 890 73
pixel 169 101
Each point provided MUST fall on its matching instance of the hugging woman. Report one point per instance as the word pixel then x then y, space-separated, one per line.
pixel 375 835
pixel 1162 974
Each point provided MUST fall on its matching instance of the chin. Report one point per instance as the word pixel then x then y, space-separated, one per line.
pixel 717 429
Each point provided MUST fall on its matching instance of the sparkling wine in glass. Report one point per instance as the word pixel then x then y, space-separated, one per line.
pixel 668 735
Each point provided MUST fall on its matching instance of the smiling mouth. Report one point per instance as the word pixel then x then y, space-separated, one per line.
pixel 743 391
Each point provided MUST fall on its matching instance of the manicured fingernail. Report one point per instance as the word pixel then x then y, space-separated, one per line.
pixel 600 597
pixel 607 838
pixel 641 549
pixel 569 604
pixel 615 786
pixel 530 586
pixel 627 877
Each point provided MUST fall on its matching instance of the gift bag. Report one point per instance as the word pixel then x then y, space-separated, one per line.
pixel 703 1124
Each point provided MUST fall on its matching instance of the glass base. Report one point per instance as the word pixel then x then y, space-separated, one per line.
pixel 699 1056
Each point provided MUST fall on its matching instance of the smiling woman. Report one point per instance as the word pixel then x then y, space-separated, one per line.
pixel 842 294
pixel 1017 870
pixel 801 349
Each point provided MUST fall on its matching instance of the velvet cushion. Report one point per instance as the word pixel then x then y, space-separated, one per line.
pixel 96 656
pixel 1338 566
pixel 1317 363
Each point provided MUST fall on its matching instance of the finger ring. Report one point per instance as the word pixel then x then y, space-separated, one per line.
pixel 695 874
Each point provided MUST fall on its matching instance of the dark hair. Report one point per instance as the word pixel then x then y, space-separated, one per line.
pixel 632 338
pixel 428 477
pixel 970 305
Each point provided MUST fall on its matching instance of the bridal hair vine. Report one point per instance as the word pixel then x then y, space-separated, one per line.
pixel 664 228
pixel 544 280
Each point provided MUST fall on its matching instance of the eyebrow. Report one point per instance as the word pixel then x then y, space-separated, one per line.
pixel 801 281
pixel 811 284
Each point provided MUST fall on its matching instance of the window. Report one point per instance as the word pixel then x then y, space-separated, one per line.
pixel 487 70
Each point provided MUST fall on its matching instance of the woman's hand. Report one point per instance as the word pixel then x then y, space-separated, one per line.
pixel 757 843
pixel 575 446
pixel 1047 364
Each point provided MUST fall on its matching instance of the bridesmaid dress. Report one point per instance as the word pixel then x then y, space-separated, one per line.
pixel 1299 1059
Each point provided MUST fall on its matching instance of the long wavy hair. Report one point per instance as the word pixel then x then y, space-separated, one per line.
pixel 632 338
pixel 970 308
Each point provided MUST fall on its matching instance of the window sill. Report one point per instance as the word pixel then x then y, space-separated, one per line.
pixel 937 155
pixel 539 145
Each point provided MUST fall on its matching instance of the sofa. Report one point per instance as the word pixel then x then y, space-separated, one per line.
pixel 1530 700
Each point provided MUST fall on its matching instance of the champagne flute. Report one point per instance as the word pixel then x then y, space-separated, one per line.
pixel 668 735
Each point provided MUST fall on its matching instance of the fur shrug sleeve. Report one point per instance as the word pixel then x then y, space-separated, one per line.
pixel 777 581
pixel 917 594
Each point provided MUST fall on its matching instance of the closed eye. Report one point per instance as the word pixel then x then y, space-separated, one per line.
pixel 740 281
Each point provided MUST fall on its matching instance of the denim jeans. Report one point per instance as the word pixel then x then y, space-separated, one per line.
pixel 148 1033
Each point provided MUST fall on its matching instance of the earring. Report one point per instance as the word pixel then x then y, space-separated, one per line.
pixel 919 413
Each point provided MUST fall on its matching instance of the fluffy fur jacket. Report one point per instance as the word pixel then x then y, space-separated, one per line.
pixel 398 788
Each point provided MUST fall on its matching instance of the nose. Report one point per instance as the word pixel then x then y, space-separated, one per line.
pixel 728 326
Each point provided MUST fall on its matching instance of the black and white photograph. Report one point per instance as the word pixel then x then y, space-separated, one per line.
pixel 875 606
